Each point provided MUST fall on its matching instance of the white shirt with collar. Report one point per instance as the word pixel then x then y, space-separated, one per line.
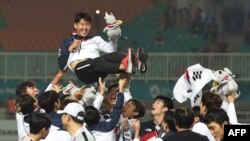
pixel 91 48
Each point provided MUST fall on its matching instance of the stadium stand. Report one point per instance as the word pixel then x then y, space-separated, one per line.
pixel 147 31
pixel 41 25
pixel 3 23
pixel 244 48
pixel 42 30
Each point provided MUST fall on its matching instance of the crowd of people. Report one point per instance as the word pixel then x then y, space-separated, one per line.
pixel 232 20
pixel 113 114
pixel 101 111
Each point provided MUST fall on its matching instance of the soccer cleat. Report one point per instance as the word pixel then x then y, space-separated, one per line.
pixel 127 62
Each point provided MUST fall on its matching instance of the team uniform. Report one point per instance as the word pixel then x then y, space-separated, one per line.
pixel 149 130
pixel 25 138
pixel 58 135
pixel 92 65
pixel 106 130
pixel 22 127
pixel 125 135
pixel 63 52
pixel 83 134
pixel 56 119
pixel 120 134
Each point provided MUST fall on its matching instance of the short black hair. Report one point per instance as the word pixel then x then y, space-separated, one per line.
pixel 47 100
pixel 82 15
pixel 25 104
pixel 216 115
pixel 184 117
pixel 196 110
pixel 211 100
pixel 139 107
pixel 21 88
pixel 169 119
pixel 112 85
pixel 92 116
pixel 66 102
pixel 64 97
pixel 168 102
pixel 38 121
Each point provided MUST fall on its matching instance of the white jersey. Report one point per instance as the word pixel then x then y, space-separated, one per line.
pixel 104 136
pixel 58 135
pixel 23 128
pixel 25 138
pixel 125 135
pixel 91 48
pixel 202 129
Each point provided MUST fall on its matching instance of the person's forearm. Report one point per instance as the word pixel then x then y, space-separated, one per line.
pixel 55 80
pixel 57 77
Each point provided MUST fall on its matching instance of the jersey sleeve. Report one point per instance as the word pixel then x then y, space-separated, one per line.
pixel 63 53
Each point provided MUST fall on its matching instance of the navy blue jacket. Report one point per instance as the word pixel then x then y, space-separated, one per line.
pixel 63 52
pixel 107 126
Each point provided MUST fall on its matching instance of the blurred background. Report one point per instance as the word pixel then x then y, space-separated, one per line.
pixel 175 33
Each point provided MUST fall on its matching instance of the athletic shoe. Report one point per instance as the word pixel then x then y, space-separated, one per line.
pixel 140 60
pixel 127 62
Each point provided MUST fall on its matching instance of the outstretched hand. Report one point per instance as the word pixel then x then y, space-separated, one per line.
pixel 123 82
pixel 57 88
pixel 102 86
pixel 231 97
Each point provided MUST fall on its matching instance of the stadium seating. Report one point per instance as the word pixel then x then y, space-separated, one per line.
pixel 41 25
pixel 144 30
pixel 3 23
pixel 244 48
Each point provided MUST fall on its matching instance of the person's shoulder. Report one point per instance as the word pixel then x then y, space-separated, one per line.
pixel 68 39
pixel 66 42
pixel 181 135
pixel 90 37
pixel 199 136
pixel 200 125
pixel 148 122
pixel 167 135
pixel 97 37
pixel 61 135
pixel 25 138
pixel 85 134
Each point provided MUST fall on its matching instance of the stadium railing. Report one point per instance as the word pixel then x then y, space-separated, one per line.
pixel 161 66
